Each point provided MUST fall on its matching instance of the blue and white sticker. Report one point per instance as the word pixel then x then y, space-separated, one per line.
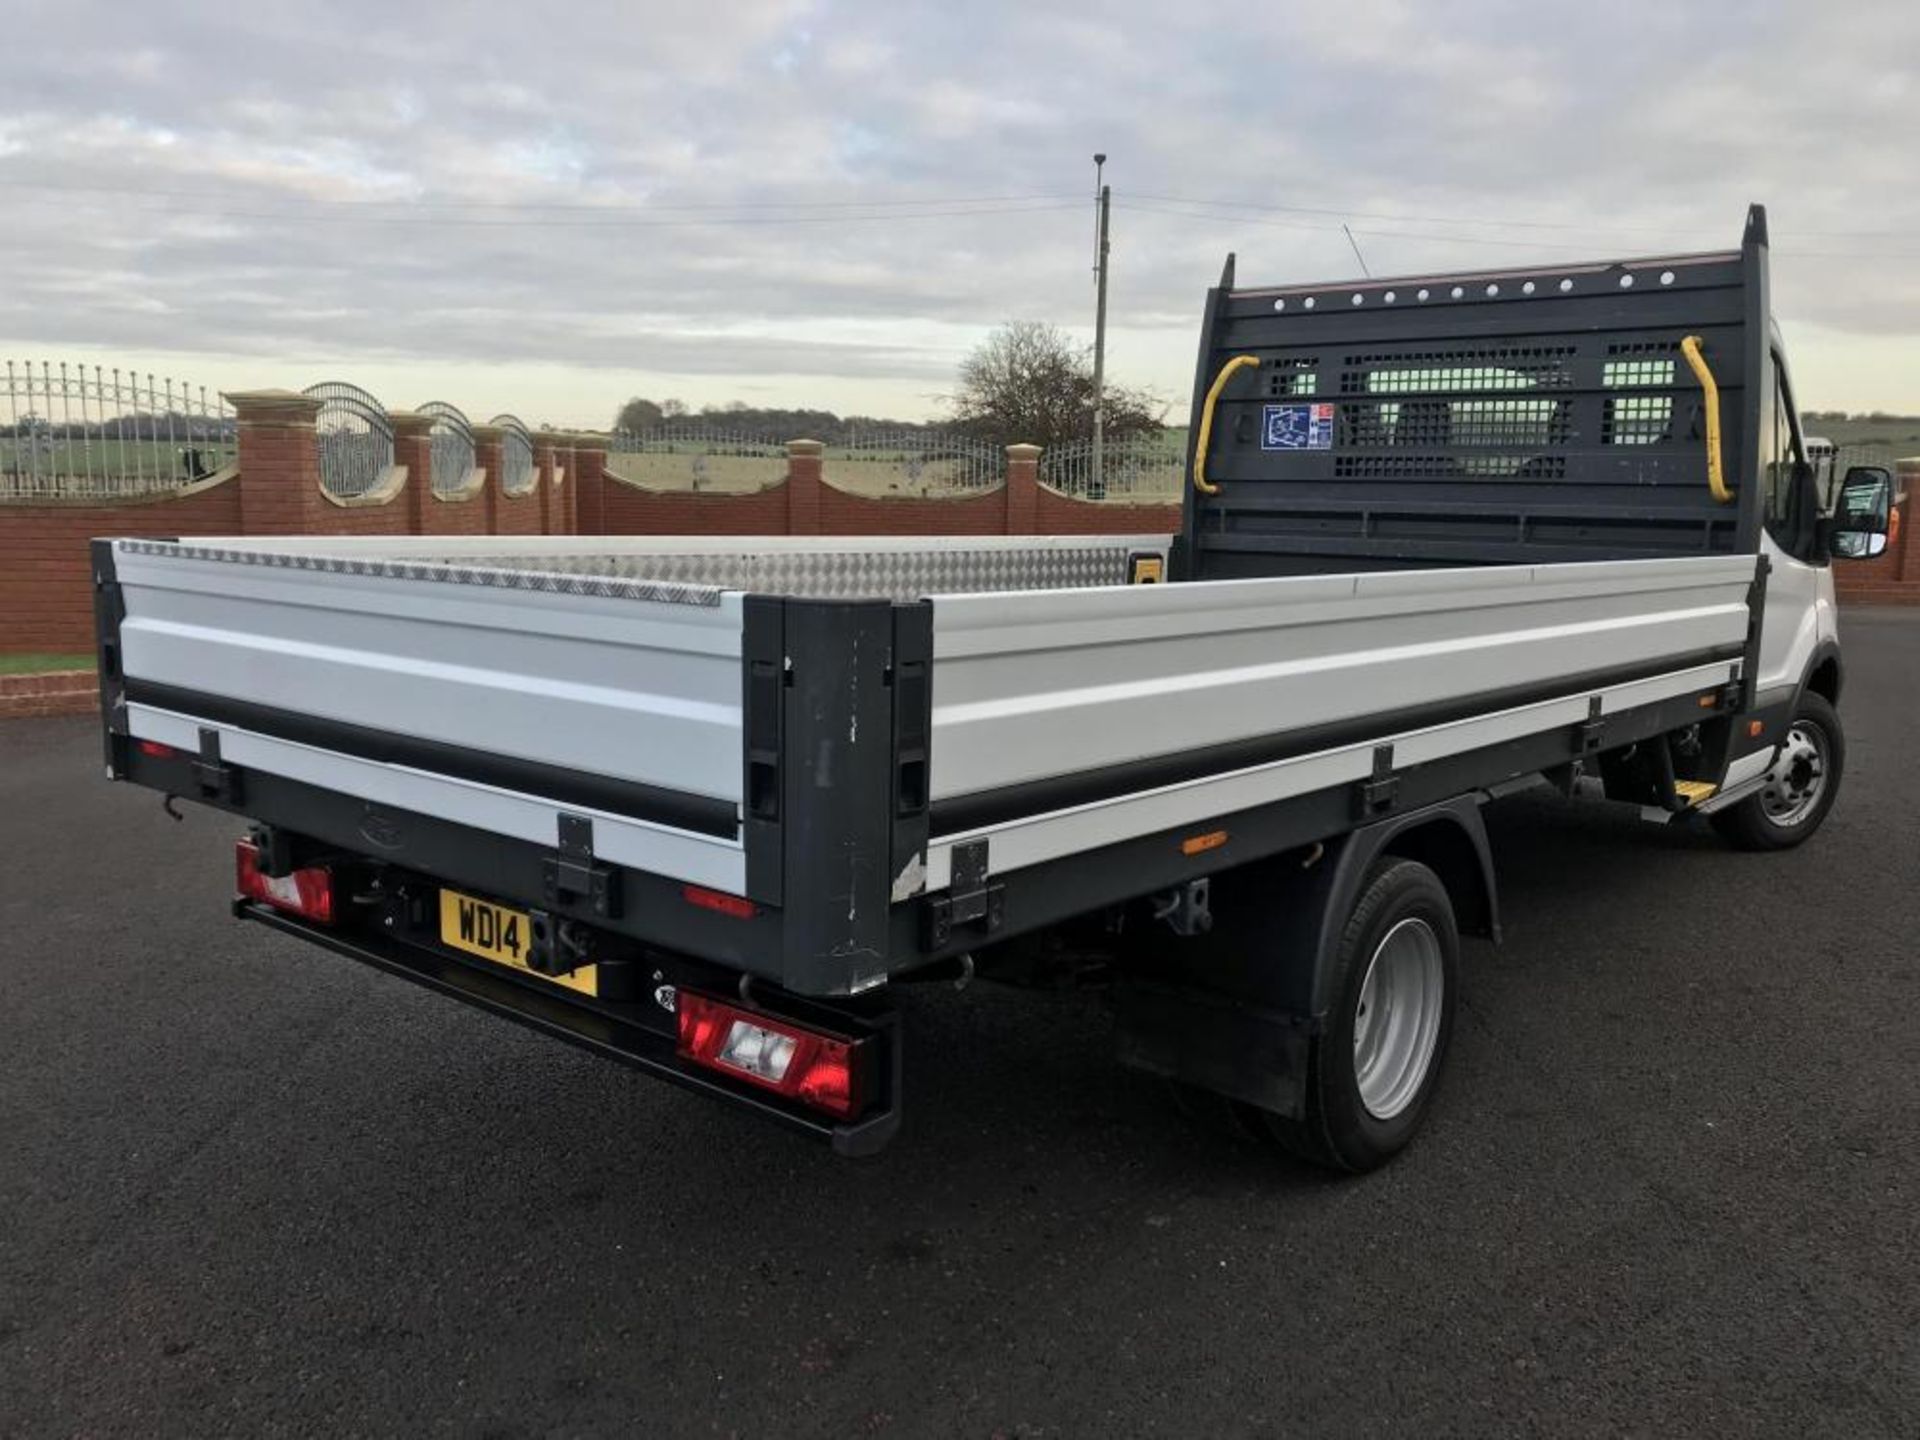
pixel 1307 426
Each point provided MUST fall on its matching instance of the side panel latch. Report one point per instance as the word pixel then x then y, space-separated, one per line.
pixel 574 880
pixel 1382 788
pixel 971 898
pixel 1593 729
pixel 214 778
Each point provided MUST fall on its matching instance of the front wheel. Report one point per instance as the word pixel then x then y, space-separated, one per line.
pixel 1372 1070
pixel 1800 787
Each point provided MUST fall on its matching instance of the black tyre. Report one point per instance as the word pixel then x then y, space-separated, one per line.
pixel 1372 1072
pixel 1800 787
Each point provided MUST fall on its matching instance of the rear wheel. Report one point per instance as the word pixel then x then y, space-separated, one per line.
pixel 1373 1069
pixel 1800 787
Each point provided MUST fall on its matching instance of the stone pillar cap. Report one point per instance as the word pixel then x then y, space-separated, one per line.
pixel 1023 452
pixel 805 447
pixel 409 422
pixel 272 407
pixel 488 434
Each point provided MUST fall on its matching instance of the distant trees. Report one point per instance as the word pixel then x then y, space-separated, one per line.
pixel 1027 382
pixel 761 422
pixel 1030 382
pixel 638 414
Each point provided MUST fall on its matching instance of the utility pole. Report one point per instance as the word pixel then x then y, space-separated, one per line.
pixel 1100 330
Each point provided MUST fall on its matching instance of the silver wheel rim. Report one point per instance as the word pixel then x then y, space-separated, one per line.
pixel 1398 1020
pixel 1798 778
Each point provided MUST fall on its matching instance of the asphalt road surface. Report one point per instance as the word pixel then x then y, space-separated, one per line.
pixel 1671 1184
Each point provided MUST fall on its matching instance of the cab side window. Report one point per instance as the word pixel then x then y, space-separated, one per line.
pixel 1786 498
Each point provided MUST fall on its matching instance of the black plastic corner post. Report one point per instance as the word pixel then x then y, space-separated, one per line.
pixel 109 609
pixel 837 794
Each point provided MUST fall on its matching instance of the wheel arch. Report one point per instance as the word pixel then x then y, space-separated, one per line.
pixel 1450 839
pixel 1825 676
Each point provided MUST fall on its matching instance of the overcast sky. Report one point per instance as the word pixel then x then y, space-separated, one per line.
pixel 546 208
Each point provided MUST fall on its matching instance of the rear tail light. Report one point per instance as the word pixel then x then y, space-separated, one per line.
pixel 824 1072
pixel 307 892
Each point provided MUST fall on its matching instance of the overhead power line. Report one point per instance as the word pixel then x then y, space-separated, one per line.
pixel 1218 217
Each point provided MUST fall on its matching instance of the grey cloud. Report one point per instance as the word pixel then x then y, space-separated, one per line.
pixel 276 130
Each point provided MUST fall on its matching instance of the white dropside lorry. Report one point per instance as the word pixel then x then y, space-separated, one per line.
pixel 702 805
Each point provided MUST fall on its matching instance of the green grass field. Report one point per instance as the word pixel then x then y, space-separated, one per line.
pixel 130 462
pixel 1901 434
pixel 33 661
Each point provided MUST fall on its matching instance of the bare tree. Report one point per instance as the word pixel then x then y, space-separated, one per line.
pixel 638 414
pixel 1029 381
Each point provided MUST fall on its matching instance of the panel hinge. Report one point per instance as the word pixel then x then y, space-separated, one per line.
pixel 1382 788
pixel 574 881
pixel 215 779
pixel 971 899
pixel 1593 729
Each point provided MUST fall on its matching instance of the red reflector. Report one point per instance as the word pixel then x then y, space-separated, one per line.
pixel 823 1071
pixel 154 750
pixel 735 905
pixel 307 892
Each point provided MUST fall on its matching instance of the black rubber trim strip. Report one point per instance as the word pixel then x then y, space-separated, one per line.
pixel 962 813
pixel 697 813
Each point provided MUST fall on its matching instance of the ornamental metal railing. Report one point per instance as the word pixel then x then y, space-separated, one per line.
pixel 696 457
pixel 1146 470
pixel 355 440
pixel 915 463
pixel 452 443
pixel 77 431
pixel 517 475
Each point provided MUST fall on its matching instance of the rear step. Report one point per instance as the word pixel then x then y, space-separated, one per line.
pixel 599 1029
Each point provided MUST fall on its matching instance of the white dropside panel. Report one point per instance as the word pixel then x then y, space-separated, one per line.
pixel 1031 840
pixel 611 684
pixel 1034 686
pixel 701 859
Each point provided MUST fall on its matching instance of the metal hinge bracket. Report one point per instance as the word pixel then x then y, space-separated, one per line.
pixel 971 898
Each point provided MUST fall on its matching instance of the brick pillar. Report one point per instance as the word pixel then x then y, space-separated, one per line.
pixel 413 453
pixel 1906 545
pixel 544 442
pixel 487 456
pixel 279 462
pixel 589 479
pixel 806 464
pixel 566 474
pixel 1023 489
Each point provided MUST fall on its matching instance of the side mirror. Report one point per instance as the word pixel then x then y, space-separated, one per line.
pixel 1863 517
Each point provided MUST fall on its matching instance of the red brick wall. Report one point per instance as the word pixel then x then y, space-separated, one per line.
pixel 632 510
pixel 60 692
pixel 46 591
pixel 1059 514
pixel 518 514
pixel 844 514
pixel 455 517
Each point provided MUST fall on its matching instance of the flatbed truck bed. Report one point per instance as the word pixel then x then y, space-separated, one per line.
pixel 703 805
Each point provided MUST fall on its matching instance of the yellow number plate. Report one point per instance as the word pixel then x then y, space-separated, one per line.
pixel 503 936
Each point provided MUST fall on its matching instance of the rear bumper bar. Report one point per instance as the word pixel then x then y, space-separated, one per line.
pixel 598 1029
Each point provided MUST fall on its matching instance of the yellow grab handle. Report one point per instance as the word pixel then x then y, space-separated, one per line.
pixel 1238 362
pixel 1716 477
